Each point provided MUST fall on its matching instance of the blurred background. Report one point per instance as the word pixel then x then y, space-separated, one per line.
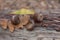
pixel 38 5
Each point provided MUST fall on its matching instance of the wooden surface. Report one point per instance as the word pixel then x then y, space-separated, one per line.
pixel 37 34
pixel 6 6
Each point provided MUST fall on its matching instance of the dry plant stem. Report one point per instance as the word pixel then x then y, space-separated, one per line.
pixel 55 18
pixel 50 23
pixel 51 18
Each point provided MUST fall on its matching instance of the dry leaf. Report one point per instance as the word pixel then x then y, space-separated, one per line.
pixel 11 26
pixel 3 23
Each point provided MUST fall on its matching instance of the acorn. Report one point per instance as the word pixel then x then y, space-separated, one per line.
pixel 38 17
pixel 15 20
